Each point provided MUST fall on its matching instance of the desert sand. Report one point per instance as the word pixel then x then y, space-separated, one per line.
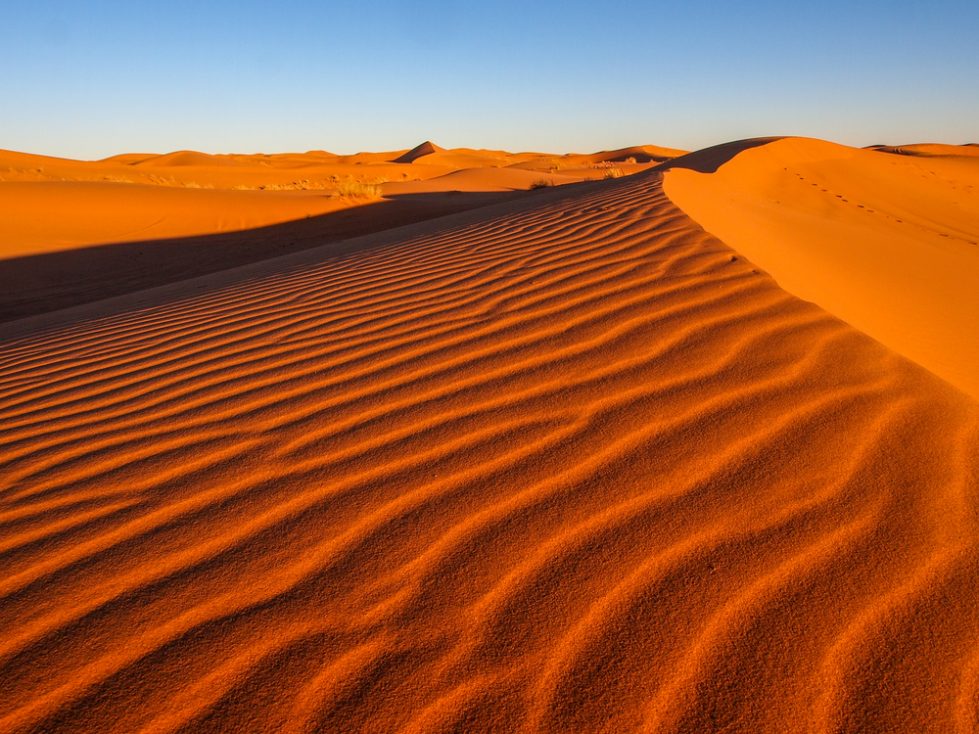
pixel 50 204
pixel 173 216
pixel 888 243
pixel 578 459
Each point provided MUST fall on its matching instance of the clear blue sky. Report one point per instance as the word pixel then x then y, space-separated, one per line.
pixel 88 79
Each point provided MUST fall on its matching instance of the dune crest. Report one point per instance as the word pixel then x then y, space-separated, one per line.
pixel 888 243
pixel 419 151
pixel 569 465
pixel 970 150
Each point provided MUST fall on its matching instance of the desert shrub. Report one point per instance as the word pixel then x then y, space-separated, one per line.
pixel 541 183
pixel 358 190
pixel 613 173
pixel 630 159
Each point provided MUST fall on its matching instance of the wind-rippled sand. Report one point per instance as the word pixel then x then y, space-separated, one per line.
pixel 568 464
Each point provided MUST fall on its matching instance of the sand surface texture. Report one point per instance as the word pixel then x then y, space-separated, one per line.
pixel 73 232
pixel 888 240
pixel 567 463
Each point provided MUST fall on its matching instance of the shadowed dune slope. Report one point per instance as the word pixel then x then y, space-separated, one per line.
pixel 572 467
pixel 422 149
pixel 48 282
pixel 889 243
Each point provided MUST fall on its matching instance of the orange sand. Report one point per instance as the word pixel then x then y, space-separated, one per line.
pixel 45 216
pixel 49 204
pixel 565 463
pixel 179 215
pixel 888 243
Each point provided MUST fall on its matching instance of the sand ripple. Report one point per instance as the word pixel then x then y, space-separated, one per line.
pixel 571 467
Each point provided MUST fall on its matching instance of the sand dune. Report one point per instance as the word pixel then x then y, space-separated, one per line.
pixel 481 179
pixel 889 243
pixel 564 464
pixel 53 203
pixel 45 216
pixel 176 215
pixel 932 149
pixel 313 170
pixel 420 150
pixel 641 153
pixel 55 275
pixel 187 158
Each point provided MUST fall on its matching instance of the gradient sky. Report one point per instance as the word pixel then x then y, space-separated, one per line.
pixel 89 79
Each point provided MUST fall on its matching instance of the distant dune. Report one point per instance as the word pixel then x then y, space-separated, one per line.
pixel 186 158
pixel 932 149
pixel 420 150
pixel 640 154
pixel 561 462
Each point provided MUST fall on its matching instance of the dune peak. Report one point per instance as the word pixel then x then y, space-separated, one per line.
pixel 420 150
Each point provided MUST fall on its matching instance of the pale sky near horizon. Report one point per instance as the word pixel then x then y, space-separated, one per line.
pixel 92 79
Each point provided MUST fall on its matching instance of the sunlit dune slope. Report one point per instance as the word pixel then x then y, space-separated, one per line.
pixel 43 216
pixel 641 153
pixel 932 149
pixel 889 243
pixel 568 465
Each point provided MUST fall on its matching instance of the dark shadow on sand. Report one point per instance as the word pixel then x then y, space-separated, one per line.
pixel 38 284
